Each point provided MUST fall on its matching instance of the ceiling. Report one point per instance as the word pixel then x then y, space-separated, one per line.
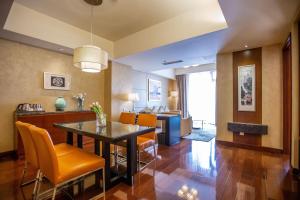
pixel 253 23
pixel 114 19
pixel 155 26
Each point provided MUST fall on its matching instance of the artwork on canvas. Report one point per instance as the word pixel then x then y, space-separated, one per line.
pixel 56 81
pixel 154 90
pixel 246 88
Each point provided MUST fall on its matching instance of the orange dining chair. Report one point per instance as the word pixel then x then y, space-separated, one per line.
pixel 125 118
pixel 148 139
pixel 30 152
pixel 61 170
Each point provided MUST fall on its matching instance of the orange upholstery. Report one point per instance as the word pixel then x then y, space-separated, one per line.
pixel 150 121
pixel 59 169
pixel 30 153
pixel 143 142
pixel 127 118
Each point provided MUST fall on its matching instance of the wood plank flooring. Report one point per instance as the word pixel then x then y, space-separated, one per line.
pixel 216 171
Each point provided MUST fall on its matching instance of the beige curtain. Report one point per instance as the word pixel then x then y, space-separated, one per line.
pixel 182 85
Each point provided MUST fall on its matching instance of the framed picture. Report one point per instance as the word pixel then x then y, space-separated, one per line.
pixel 246 88
pixel 57 81
pixel 154 90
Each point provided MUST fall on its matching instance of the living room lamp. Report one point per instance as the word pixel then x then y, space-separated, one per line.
pixel 90 58
pixel 134 97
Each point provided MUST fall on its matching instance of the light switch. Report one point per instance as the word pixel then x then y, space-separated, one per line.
pixel 242 133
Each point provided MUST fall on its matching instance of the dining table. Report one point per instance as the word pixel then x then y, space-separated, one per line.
pixel 111 133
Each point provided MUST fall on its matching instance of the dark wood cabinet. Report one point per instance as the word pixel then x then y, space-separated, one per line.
pixel 47 119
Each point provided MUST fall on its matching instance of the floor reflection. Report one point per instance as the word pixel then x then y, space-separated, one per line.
pixel 215 171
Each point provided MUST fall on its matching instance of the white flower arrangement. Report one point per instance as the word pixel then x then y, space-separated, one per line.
pixel 96 107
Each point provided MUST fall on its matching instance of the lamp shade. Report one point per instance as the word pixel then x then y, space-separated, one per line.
pixel 133 97
pixel 173 93
pixel 90 58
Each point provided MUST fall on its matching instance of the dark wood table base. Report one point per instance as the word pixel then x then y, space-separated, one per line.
pixel 109 180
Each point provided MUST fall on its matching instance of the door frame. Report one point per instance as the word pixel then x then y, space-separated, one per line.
pixel 287 95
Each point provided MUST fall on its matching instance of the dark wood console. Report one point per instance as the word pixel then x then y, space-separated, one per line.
pixel 250 128
pixel 171 130
pixel 47 119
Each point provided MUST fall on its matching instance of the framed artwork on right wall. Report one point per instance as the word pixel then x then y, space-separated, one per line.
pixel 246 88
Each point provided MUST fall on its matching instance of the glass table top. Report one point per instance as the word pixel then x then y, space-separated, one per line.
pixel 112 131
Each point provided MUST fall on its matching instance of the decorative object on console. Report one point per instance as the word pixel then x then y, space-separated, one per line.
pixel 26 107
pixel 101 117
pixel 90 58
pixel 154 90
pixel 80 100
pixel 246 88
pixel 56 81
pixel 60 104
pixel 134 97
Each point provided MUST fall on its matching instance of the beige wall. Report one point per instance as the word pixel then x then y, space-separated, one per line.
pixel 295 96
pixel 271 96
pixel 21 81
pixel 224 96
pixel 126 80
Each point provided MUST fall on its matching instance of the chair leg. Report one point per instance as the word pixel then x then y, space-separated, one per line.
pixel 23 174
pixel 54 193
pixel 36 183
pixel 155 153
pixel 139 159
pixel 40 179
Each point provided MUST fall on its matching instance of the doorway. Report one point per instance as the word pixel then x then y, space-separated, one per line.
pixel 202 100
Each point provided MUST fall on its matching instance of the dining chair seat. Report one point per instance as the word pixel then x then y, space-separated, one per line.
pixel 143 142
pixel 76 164
pixel 63 149
pixel 62 169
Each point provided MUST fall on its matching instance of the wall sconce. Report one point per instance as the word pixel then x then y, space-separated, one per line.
pixel 134 97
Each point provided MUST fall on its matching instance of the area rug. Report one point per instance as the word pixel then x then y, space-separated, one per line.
pixel 204 136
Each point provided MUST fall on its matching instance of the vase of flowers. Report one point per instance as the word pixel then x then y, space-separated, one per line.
pixel 100 116
pixel 80 100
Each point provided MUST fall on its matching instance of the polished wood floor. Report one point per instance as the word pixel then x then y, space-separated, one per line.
pixel 216 171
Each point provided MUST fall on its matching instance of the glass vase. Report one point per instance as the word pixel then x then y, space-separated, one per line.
pixel 101 120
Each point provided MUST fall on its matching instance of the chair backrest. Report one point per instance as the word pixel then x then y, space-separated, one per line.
pixel 147 120
pixel 29 148
pixel 127 118
pixel 46 153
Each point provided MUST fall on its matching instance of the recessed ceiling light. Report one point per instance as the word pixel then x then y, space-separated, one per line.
pixel 187 66
pixel 195 65
pixel 246 46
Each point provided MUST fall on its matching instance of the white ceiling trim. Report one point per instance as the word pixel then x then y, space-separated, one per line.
pixel 28 22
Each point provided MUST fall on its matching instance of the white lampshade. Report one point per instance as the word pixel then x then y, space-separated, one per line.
pixel 133 97
pixel 90 58
pixel 173 93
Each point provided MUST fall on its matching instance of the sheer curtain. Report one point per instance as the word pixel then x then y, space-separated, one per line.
pixel 202 96
pixel 182 85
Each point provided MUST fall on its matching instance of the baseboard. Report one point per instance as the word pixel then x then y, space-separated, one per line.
pixel 245 146
pixel 8 154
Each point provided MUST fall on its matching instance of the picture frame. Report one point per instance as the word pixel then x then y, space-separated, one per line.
pixel 246 88
pixel 57 81
pixel 154 90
